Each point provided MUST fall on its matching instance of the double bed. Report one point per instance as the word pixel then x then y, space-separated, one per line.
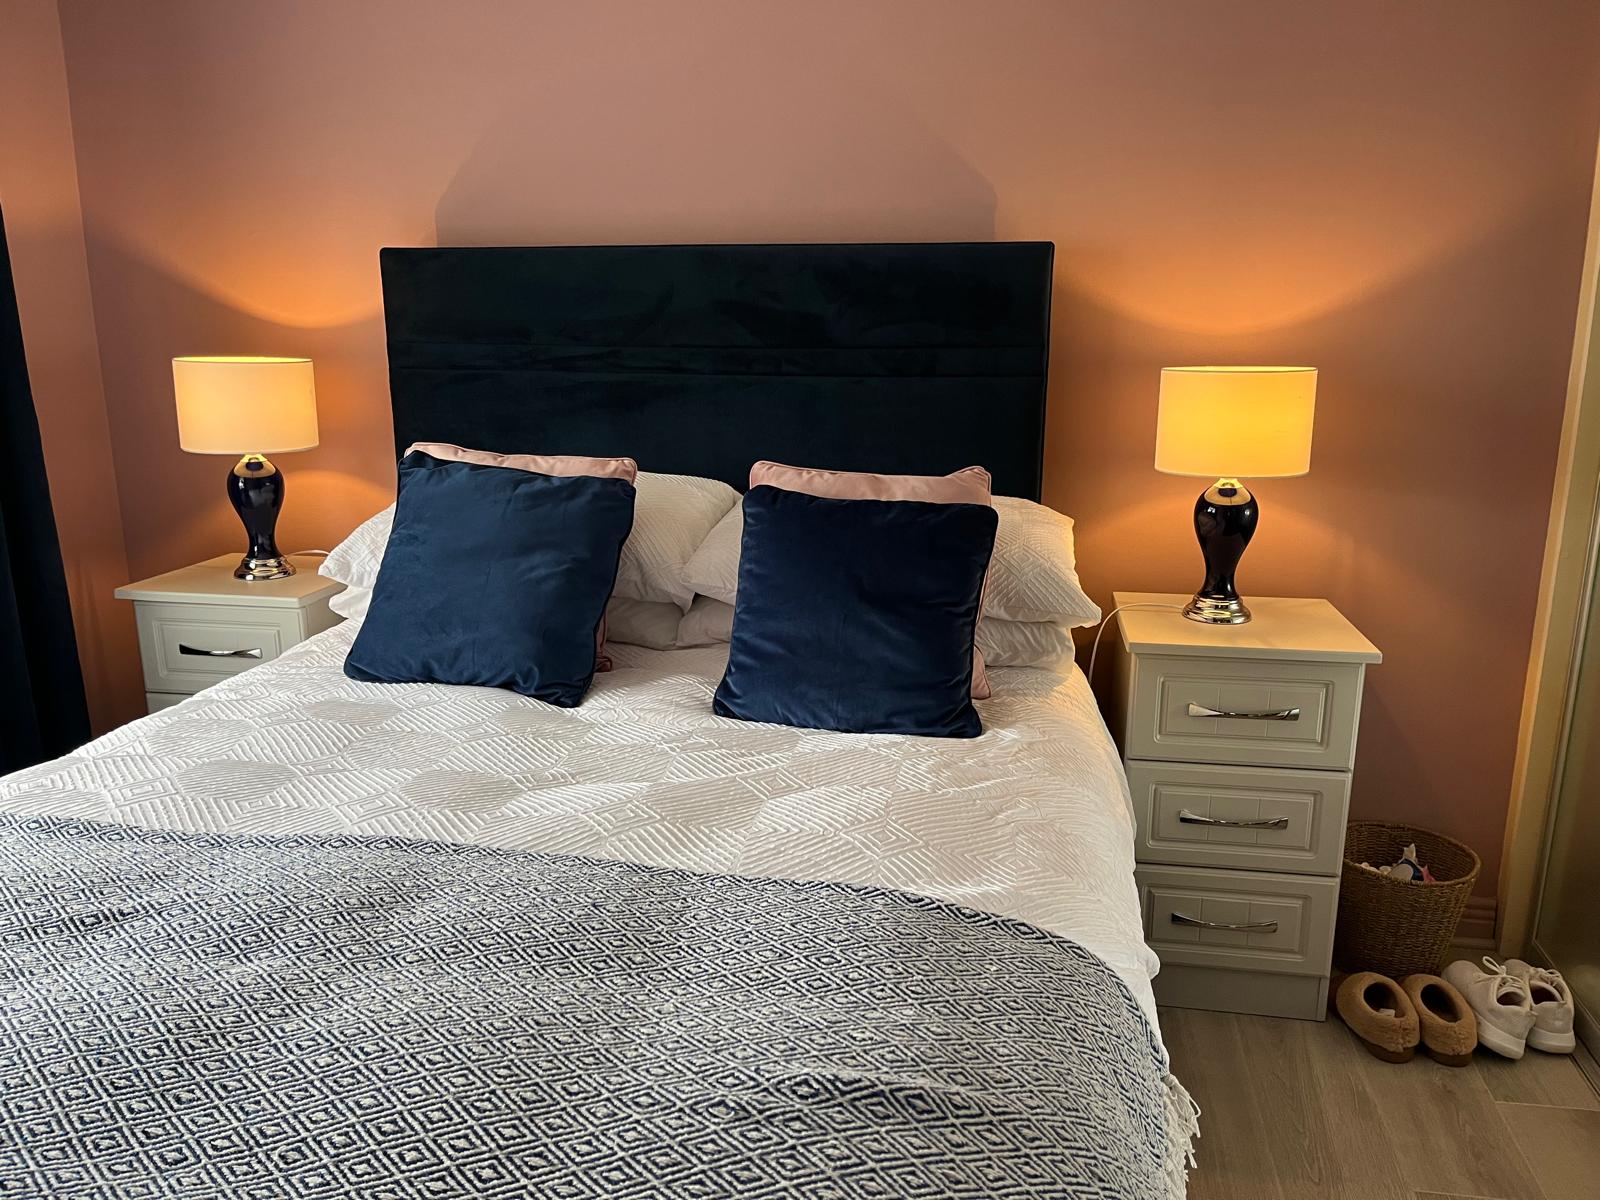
pixel 306 936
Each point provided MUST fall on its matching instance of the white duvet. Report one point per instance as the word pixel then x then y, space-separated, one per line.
pixel 1030 820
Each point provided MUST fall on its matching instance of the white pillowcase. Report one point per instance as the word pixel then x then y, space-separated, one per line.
pixel 642 622
pixel 713 569
pixel 1032 576
pixel 663 626
pixel 671 517
pixel 352 603
pixel 1026 643
pixel 708 621
pixel 354 562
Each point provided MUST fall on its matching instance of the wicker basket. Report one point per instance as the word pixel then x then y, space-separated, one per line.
pixel 1399 927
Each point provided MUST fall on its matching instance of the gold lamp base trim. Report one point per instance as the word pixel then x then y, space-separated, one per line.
pixel 1210 611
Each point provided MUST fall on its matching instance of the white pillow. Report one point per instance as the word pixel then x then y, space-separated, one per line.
pixel 352 603
pixel 354 562
pixel 642 622
pixel 1025 643
pixel 713 569
pixel 1032 576
pixel 707 622
pixel 671 517
pixel 666 626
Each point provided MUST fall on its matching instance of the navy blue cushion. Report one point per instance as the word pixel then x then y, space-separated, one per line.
pixel 857 615
pixel 494 576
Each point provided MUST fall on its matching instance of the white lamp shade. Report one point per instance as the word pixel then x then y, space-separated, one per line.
pixel 1235 422
pixel 245 405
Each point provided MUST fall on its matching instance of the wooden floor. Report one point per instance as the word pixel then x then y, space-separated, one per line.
pixel 1298 1109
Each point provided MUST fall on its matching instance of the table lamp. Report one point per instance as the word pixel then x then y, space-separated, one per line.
pixel 1228 422
pixel 250 407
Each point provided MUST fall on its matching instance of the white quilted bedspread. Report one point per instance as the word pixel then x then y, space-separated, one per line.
pixel 1030 820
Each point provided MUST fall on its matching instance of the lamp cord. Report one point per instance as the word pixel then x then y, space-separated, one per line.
pixel 1105 623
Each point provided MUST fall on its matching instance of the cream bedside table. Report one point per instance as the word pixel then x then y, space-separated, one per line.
pixel 199 624
pixel 1238 741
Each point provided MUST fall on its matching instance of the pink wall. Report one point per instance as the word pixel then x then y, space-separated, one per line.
pixel 44 231
pixel 1394 193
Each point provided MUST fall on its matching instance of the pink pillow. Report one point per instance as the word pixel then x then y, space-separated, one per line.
pixel 970 485
pixel 562 465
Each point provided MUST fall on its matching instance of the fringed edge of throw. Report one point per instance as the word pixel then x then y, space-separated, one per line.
pixel 1183 1127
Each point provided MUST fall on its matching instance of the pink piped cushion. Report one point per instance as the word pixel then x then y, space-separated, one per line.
pixel 970 485
pixel 560 465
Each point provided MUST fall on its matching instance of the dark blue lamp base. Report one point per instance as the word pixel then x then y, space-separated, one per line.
pixel 1224 521
pixel 255 488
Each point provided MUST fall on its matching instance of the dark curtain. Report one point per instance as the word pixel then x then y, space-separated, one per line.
pixel 42 708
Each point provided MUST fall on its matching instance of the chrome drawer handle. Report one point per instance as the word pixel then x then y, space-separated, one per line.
pixel 1189 818
pixel 184 648
pixel 1254 927
pixel 1269 714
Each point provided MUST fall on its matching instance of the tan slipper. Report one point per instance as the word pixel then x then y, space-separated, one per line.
pixel 1381 1015
pixel 1449 1028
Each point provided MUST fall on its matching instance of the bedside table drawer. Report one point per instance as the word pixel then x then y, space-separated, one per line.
pixel 1253 818
pixel 1261 712
pixel 187 647
pixel 1238 920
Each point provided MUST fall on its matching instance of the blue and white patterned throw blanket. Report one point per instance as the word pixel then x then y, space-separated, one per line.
pixel 248 1017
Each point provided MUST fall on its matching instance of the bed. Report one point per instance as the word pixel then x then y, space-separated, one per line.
pixel 305 936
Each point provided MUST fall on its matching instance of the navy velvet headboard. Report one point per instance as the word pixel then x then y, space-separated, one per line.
pixel 700 360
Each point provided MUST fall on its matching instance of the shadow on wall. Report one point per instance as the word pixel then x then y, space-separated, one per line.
pixel 174 506
pixel 857 167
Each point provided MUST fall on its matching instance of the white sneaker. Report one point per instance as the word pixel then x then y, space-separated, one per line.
pixel 1552 1007
pixel 1501 1002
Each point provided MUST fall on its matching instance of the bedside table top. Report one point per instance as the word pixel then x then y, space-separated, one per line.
pixel 1280 627
pixel 212 582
